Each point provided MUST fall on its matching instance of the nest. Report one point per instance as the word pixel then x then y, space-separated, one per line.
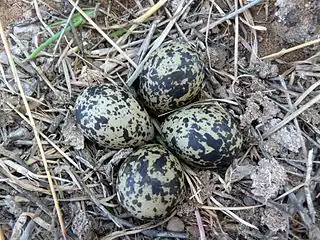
pixel 56 184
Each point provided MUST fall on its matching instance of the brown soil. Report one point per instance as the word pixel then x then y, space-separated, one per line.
pixel 11 11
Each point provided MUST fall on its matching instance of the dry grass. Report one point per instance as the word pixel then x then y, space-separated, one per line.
pixel 45 181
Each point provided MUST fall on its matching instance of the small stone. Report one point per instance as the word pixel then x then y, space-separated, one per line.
pixel 175 224
pixel 27 14
pixel 4 58
pixel 29 85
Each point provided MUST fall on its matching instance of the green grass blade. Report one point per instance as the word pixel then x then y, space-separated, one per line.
pixel 76 21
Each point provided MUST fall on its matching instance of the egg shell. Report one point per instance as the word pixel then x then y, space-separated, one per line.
pixel 150 182
pixel 172 77
pixel 109 115
pixel 204 136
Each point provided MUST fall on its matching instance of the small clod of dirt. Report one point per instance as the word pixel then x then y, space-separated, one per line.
pixel 265 69
pixel 218 56
pixel 59 98
pixel 275 219
pixel 311 115
pixel 271 147
pixel 82 226
pixel 259 108
pixel 193 231
pixel 288 137
pixel 6 119
pixel 241 172
pixel 298 20
pixel 72 133
pixel 89 77
pixel 186 209
pixel 209 182
pixel 268 178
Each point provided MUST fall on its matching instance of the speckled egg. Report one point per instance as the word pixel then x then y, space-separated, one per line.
pixel 172 77
pixel 205 136
pixel 150 182
pixel 109 115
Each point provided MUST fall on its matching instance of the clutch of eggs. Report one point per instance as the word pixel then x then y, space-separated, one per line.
pixel 205 135
pixel 172 77
pixel 110 116
pixel 150 182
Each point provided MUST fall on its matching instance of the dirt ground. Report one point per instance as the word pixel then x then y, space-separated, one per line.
pixel 270 191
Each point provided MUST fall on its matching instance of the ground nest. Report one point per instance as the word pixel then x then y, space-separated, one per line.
pixel 262 61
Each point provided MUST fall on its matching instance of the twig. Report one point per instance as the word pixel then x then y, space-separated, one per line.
pixel 285 51
pixel 200 226
pixel 78 21
pixel 8 85
pixel 304 148
pixel 138 4
pixel 146 42
pixel 38 69
pixel 103 34
pixel 219 10
pixel 35 3
pixel 292 116
pixel 306 93
pixel 307 186
pixel 2 234
pixel 193 189
pixel 28 230
pixel 206 37
pixel 29 196
pixel 46 138
pixel 230 208
pixel 231 214
pixel 159 41
pixel 297 206
pixel 64 29
pixel 236 46
pixel 35 130
pixel 104 51
pixel 13 156
pixel 231 15
pixel 150 12
pixel 289 191
pixel 181 33
pixel 136 22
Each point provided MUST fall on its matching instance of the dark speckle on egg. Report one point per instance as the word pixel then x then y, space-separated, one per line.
pixel 204 135
pixel 172 77
pixel 109 115
pixel 151 176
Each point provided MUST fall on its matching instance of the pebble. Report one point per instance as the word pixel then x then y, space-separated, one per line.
pixel 26 32
pixel 175 224
pixel 4 58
